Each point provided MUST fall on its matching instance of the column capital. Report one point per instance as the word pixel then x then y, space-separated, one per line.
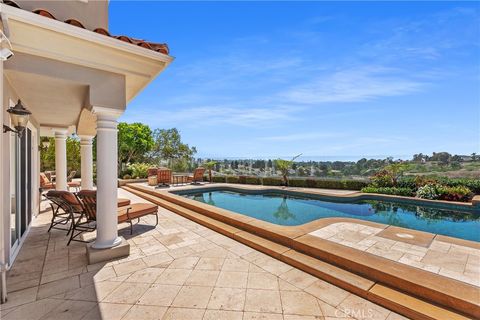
pixel 107 112
pixel 86 140
pixel 60 133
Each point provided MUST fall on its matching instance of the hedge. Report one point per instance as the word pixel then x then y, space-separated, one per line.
pixel 253 180
pixel 219 179
pixel 232 179
pixel 271 181
pixel 390 190
pixel 294 182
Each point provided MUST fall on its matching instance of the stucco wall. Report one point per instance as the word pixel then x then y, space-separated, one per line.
pixel 91 13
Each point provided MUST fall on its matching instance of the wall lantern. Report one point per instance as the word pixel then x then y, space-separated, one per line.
pixel 19 116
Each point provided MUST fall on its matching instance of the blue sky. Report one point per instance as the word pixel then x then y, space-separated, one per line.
pixel 326 79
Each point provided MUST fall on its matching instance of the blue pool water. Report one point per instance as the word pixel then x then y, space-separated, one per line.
pixel 293 210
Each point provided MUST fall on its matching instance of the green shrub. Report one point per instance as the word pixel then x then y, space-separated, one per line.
pixel 127 177
pixel 382 178
pixel 472 184
pixel 242 179
pixel 219 179
pixel 139 170
pixel 389 190
pixel 408 182
pixel 301 183
pixel 232 179
pixel 252 180
pixel 271 181
pixel 126 171
pixel 311 183
pixel 456 193
pixel 330 184
pixel 354 184
pixel 436 191
pixel 429 191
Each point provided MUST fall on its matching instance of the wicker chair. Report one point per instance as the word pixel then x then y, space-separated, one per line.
pixel 164 177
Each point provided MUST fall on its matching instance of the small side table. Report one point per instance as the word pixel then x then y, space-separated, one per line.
pixel 178 179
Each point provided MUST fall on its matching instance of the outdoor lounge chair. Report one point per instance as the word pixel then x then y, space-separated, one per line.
pixel 46 184
pixel 66 209
pixel 164 177
pixel 88 200
pixel 197 176
pixel 71 183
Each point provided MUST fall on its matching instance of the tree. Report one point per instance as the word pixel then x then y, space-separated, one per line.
pixel 395 171
pixel 134 141
pixel 47 154
pixel 442 157
pixel 474 156
pixel 209 166
pixel 284 167
pixel 168 145
pixel 418 157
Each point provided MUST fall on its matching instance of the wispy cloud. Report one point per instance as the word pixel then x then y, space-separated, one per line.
pixel 354 85
pixel 214 115
pixel 301 137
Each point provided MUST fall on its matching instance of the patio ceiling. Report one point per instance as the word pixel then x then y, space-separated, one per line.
pixel 63 68
pixel 53 102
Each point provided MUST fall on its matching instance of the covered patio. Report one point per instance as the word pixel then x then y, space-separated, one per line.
pixel 73 80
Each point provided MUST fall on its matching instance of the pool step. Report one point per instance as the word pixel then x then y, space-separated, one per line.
pixel 392 299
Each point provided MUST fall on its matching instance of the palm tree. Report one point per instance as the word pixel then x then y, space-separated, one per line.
pixel 283 213
pixel 284 167
pixel 209 166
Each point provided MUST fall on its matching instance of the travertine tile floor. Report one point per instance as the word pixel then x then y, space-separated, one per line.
pixel 178 270
pixel 447 259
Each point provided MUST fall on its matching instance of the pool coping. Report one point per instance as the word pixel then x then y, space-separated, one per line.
pixel 420 283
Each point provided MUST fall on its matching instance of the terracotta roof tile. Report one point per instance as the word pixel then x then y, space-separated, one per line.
pixel 44 13
pixel 158 47
pixel 75 22
pixel 102 31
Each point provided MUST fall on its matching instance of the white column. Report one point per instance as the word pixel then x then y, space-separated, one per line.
pixel 86 162
pixel 61 159
pixel 107 235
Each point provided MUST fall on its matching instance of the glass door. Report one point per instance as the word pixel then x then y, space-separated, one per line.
pixel 14 187
pixel 20 186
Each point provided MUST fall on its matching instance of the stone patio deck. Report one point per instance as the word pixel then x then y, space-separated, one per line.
pixel 178 270
pixel 451 260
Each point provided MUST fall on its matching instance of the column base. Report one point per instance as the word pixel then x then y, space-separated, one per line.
pixel 99 255
pixel 97 245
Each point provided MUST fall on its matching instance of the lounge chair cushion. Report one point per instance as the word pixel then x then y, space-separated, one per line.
pixel 121 202
pixel 74 184
pixel 137 210
pixel 68 197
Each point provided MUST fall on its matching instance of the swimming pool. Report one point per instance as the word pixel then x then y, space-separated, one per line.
pixel 291 210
